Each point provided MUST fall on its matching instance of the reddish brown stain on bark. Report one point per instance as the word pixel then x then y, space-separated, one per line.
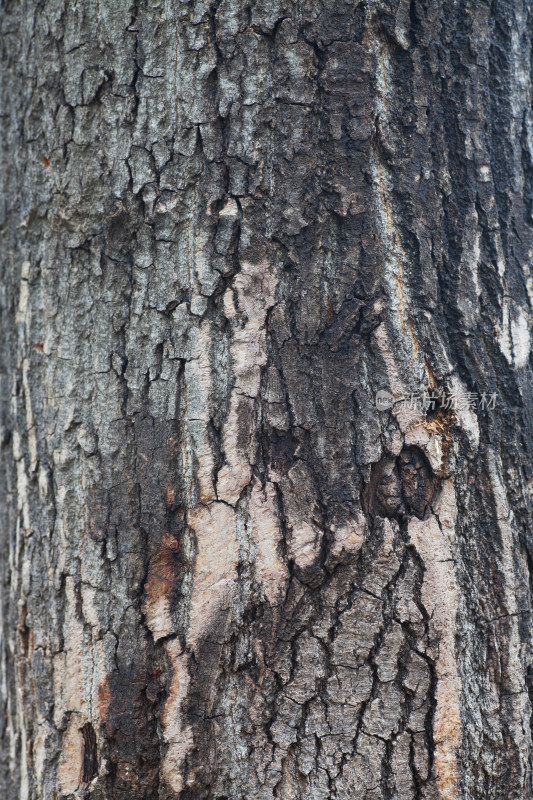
pixel 162 570
pixel 104 699
pixel 171 497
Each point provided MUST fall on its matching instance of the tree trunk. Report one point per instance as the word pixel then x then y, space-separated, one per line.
pixel 226 572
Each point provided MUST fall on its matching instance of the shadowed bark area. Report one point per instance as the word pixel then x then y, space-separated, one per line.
pixel 226 573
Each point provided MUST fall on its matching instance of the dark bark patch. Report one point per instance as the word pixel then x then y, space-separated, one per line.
pixel 529 685
pixel 132 743
pixel 417 480
pixel 400 486
pixel 344 325
pixel 24 631
pixel 282 448
pixel 383 494
pixel 209 672
pixel 98 502
pixel 90 753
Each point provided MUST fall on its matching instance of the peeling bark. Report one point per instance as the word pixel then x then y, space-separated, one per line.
pixel 225 572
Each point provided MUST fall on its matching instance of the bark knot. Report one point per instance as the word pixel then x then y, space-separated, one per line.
pixel 400 486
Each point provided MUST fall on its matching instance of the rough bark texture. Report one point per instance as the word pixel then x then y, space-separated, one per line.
pixel 224 226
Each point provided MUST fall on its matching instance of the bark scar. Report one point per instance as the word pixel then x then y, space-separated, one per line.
pixel 400 486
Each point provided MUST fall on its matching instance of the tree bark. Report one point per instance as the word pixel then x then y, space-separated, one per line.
pixel 226 573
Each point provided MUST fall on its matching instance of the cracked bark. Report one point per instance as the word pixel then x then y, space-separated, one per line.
pixel 225 573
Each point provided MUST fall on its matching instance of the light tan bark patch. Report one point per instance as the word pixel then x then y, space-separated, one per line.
pixel 71 763
pixel 178 734
pixel 440 596
pixel 215 569
pixel 270 570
